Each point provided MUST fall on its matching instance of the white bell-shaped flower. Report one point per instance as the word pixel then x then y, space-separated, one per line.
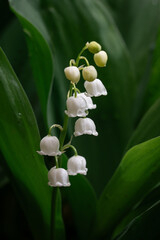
pixel 76 106
pixel 77 164
pixel 89 73
pixel 88 100
pixel 58 177
pixel 101 58
pixel 72 73
pixel 95 88
pixel 49 145
pixel 85 126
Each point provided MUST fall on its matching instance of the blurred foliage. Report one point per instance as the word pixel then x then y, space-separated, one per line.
pixel 39 37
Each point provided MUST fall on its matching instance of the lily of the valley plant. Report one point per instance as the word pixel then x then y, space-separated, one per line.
pixel 78 104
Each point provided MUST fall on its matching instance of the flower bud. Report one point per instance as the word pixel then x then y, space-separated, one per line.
pixel 101 58
pixel 94 47
pixel 58 177
pixel 76 164
pixel 95 88
pixel 72 73
pixel 89 73
pixel 49 145
pixel 85 126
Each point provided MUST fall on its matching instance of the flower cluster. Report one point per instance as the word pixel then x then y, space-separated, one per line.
pixel 78 105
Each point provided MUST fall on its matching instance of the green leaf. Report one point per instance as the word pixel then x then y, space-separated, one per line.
pixel 148 127
pixel 19 140
pixel 19 59
pixel 131 17
pixel 137 173
pixel 39 49
pixel 153 88
pixel 146 204
pixel 145 226
pixel 79 205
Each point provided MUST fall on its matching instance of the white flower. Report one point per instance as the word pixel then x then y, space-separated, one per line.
pixel 58 177
pixel 95 88
pixel 77 164
pixel 76 106
pixel 72 73
pixel 89 73
pixel 85 126
pixel 49 145
pixel 88 100
pixel 101 58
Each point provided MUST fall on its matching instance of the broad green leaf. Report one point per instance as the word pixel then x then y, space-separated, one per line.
pixel 148 127
pixel 153 88
pixel 145 226
pixel 79 205
pixel 39 49
pixel 131 17
pixel 137 173
pixel 18 57
pixel 19 140
pixel 146 204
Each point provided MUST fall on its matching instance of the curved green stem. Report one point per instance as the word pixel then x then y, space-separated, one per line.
pixel 65 123
pixel 78 58
pixel 53 126
pixel 70 146
pixel 82 57
pixel 72 62
pixel 75 90
pixel 64 132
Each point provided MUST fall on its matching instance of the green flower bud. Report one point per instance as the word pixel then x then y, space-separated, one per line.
pixel 94 47
pixel 72 73
pixel 101 58
pixel 89 73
